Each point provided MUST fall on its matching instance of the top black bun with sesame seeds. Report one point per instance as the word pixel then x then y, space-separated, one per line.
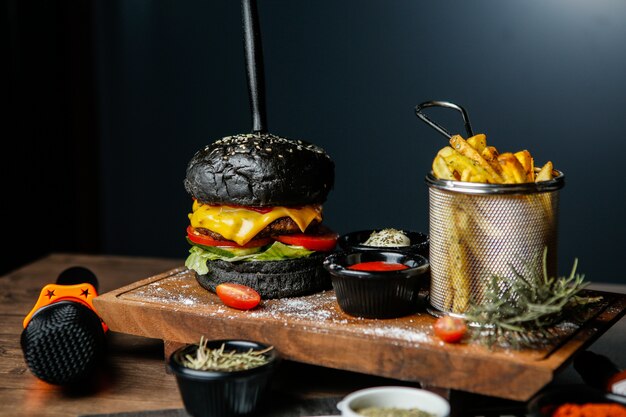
pixel 260 169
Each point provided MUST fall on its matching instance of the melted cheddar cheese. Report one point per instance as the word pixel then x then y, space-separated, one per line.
pixel 242 225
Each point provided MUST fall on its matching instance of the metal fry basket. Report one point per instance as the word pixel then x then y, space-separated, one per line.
pixel 480 230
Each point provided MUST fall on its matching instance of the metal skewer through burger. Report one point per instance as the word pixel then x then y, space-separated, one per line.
pixel 257 214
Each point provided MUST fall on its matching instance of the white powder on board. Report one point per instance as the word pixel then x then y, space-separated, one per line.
pixel 320 311
pixel 317 307
pixel 403 333
pixel 317 312
pixel 158 291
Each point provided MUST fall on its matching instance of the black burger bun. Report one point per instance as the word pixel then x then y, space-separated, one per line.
pixel 260 170
pixel 271 279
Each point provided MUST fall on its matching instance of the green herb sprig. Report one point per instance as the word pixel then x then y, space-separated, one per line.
pixel 521 309
pixel 207 359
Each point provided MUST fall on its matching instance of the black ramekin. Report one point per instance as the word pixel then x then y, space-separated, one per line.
pixel 355 241
pixel 223 394
pixel 377 294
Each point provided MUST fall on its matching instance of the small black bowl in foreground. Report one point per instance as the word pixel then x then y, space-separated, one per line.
pixel 377 294
pixel 223 394
pixel 546 403
pixel 355 241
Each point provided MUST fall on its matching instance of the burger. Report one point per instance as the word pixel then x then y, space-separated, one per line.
pixel 256 216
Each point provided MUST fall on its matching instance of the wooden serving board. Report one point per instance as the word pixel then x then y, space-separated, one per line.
pixel 312 329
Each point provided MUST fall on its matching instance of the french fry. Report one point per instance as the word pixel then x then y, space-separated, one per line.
pixel 490 153
pixel 473 175
pixel 466 175
pixel 525 158
pixel 512 171
pixel 461 146
pixel 441 169
pixel 477 177
pixel 459 275
pixel 545 173
pixel 478 142
pixel 460 164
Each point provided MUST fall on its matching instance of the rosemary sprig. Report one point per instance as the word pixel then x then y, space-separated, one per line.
pixel 520 309
pixel 207 359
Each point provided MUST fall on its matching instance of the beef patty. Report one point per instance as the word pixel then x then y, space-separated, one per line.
pixel 282 226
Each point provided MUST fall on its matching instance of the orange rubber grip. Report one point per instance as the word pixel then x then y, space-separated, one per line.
pixel 51 293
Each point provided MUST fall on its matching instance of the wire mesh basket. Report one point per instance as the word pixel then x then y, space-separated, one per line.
pixel 482 230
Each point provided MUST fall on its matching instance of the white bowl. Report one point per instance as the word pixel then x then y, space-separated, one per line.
pixel 396 397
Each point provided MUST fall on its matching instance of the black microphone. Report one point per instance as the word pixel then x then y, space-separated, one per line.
pixel 63 339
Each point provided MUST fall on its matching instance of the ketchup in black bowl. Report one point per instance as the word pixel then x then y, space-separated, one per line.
pixel 377 284
pixel 378 266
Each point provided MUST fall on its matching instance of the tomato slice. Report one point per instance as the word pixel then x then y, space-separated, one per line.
pixel 205 240
pixel 450 329
pixel 238 296
pixel 322 243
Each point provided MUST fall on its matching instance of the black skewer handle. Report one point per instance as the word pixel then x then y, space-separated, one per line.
pixel 438 127
pixel 254 64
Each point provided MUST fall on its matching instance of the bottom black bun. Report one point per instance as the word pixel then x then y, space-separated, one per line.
pixel 271 279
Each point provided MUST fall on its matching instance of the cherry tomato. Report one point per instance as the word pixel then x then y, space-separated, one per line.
pixel 238 296
pixel 450 329
pixel 205 240
pixel 378 266
pixel 322 243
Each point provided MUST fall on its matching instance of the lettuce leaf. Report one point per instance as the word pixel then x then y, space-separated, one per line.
pixel 279 251
pixel 197 260
pixel 199 255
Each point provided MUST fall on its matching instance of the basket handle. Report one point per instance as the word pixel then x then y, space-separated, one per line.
pixel 420 107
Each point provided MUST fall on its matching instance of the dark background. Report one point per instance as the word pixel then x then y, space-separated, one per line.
pixel 108 100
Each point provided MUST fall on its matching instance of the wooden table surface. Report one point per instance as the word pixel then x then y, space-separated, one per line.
pixel 136 379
